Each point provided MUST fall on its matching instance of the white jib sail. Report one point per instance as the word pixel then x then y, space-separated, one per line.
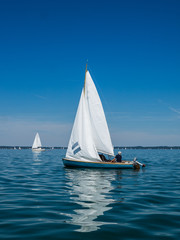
pixel 37 142
pixel 90 133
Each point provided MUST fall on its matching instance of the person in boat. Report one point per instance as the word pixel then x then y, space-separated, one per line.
pixel 118 158
pixel 103 158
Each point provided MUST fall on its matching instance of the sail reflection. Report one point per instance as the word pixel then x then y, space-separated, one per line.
pixel 89 189
pixel 36 162
pixel 36 157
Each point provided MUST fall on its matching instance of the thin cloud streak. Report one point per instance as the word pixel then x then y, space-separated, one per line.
pixel 39 96
pixel 174 110
pixel 169 106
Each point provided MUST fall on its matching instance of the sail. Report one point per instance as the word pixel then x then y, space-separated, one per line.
pixel 101 135
pixel 81 145
pixel 37 141
pixel 90 133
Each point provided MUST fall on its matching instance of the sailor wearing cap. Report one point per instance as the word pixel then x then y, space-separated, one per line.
pixel 118 158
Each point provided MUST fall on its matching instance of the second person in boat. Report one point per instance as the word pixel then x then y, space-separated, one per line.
pixel 103 158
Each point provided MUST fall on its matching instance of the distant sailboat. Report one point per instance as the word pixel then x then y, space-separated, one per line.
pixel 90 134
pixel 37 144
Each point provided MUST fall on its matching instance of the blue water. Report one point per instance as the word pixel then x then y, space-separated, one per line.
pixel 40 199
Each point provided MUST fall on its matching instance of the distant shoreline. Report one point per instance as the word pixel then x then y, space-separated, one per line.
pixel 116 147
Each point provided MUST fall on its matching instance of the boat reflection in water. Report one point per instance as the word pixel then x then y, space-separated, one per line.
pixel 37 162
pixel 90 190
pixel 36 157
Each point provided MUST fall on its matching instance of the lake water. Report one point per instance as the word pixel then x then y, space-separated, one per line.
pixel 40 199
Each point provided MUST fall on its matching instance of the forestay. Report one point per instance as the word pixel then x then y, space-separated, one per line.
pixel 37 141
pixel 90 133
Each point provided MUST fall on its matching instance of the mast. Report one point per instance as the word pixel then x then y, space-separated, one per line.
pixel 85 78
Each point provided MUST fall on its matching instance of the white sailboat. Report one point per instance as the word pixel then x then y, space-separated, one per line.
pixel 37 144
pixel 90 134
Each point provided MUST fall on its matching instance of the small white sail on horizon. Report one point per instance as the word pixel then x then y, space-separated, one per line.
pixel 37 143
pixel 90 133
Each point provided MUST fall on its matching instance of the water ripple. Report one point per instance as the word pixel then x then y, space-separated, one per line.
pixel 40 199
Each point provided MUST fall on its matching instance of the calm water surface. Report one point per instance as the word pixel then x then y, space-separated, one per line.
pixel 40 199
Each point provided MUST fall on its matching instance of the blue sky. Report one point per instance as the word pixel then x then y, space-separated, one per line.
pixel 133 54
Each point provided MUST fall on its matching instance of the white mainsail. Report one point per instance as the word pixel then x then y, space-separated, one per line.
pixel 101 136
pixel 90 133
pixel 37 142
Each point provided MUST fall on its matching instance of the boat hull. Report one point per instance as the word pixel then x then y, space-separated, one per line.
pixel 81 164
pixel 38 149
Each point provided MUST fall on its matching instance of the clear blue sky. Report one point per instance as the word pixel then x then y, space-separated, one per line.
pixel 133 52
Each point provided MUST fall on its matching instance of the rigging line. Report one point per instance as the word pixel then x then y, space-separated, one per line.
pixel 85 79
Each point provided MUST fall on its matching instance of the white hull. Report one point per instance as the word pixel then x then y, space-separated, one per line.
pixel 38 149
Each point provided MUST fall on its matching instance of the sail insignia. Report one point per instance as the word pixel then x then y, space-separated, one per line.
pixel 75 145
pixel 76 148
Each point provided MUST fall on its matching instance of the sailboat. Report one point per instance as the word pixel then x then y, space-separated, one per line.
pixel 90 134
pixel 37 144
